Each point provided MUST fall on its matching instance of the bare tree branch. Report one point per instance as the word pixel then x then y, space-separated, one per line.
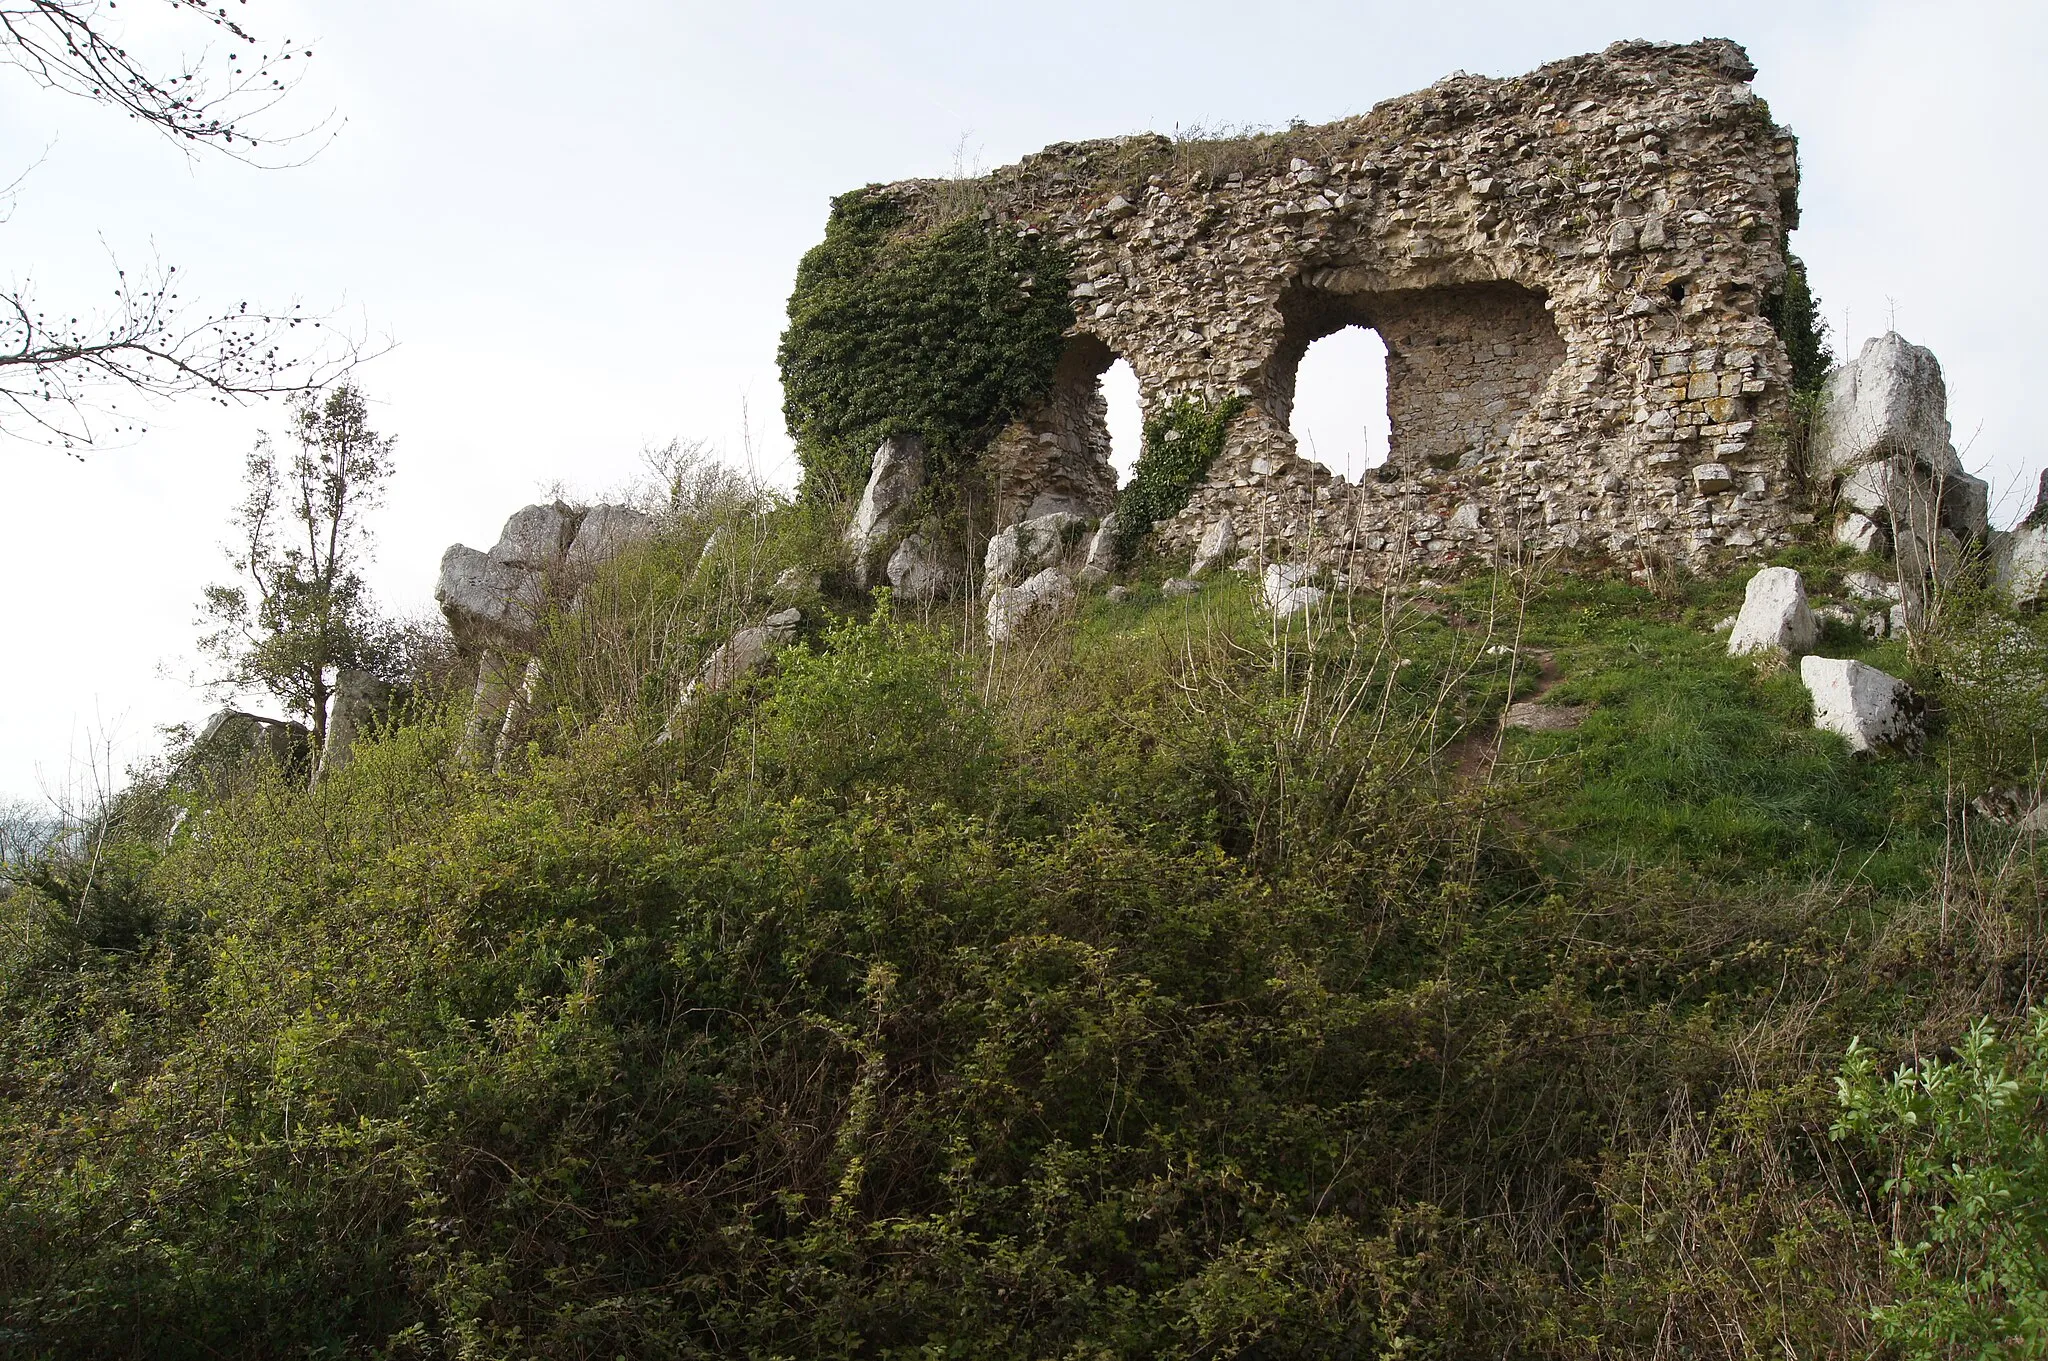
pixel 207 101
pixel 61 376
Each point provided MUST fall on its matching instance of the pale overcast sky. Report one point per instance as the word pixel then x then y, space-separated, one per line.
pixel 581 234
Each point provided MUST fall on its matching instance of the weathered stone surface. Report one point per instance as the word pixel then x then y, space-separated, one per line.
pixel 1859 533
pixel 360 702
pixel 604 533
pixel 1774 616
pixel 1177 588
pixel 2019 563
pixel 1286 589
pixel 537 537
pixel 1218 541
pixel 1117 595
pixel 1100 561
pixel 796 583
pixel 1014 609
pixel 1883 439
pixel 1890 400
pixel 1027 548
pixel 894 480
pixel 1872 710
pixel 1569 269
pixel 1535 716
pixel 1870 586
pixel 232 736
pixel 744 654
pixel 918 572
pixel 488 601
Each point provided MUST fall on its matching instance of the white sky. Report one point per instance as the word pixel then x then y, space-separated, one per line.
pixel 581 236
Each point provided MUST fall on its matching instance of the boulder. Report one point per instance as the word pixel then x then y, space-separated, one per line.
pixel 1870 586
pixel 233 736
pixel 605 532
pixel 1859 533
pixel 1872 710
pixel 361 701
pixel 2019 562
pixel 488 602
pixel 1030 546
pixel 918 573
pixel 1013 609
pixel 1179 588
pixel 894 481
pixel 1883 438
pixel 1101 557
pixel 1285 589
pixel 1774 617
pixel 1889 400
pixel 1535 716
pixel 1215 545
pixel 738 657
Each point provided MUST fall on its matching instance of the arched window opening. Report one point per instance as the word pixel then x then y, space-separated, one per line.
pixel 1340 403
pixel 1125 417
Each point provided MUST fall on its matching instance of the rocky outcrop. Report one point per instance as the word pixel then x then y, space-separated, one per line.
pixel 918 571
pixel 745 654
pixel 1883 443
pixel 233 737
pixel 1101 560
pixel 360 703
pixel 496 602
pixel 1014 610
pixel 886 506
pixel 1871 710
pixel 1775 619
pixel 1060 539
pixel 2019 558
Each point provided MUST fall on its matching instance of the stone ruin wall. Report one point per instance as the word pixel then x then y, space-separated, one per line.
pixel 1569 270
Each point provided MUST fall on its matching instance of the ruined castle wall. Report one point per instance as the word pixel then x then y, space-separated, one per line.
pixel 1569 268
pixel 1057 457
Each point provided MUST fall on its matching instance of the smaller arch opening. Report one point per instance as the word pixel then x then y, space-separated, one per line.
pixel 1339 416
pixel 1125 417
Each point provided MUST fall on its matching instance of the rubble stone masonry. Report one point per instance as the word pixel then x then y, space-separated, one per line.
pixel 1569 270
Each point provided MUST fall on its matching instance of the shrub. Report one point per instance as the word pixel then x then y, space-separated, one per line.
pixel 1966 1144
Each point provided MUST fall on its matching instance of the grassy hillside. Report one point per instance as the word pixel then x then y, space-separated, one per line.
pixel 1168 984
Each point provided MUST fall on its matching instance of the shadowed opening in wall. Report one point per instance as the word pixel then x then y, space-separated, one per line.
pixel 1340 402
pixel 1125 418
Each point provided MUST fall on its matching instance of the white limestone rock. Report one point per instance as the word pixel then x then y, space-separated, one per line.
pixel 488 602
pixel 1013 609
pixel 1179 588
pixel 1870 709
pixel 536 537
pixel 745 654
pixel 604 533
pixel 894 480
pixel 1871 586
pixel 918 572
pixel 2019 563
pixel 1028 547
pixel 1889 400
pixel 361 701
pixel 1286 590
pixel 1774 616
pixel 1215 545
pixel 1859 533
pixel 1100 560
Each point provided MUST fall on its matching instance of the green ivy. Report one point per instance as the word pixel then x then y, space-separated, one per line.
pixel 946 333
pixel 1795 315
pixel 1180 444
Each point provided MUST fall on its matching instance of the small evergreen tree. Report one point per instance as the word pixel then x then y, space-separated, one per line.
pixel 303 611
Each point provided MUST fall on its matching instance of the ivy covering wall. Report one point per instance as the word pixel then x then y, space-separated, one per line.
pixel 946 332
pixel 1180 444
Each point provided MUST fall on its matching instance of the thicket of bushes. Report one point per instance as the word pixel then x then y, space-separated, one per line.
pixel 1167 985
